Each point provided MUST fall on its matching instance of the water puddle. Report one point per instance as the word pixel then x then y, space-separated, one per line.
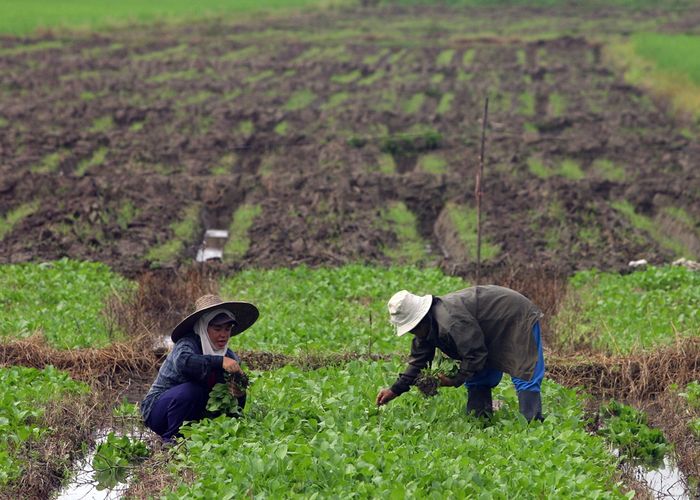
pixel 666 482
pixel 82 484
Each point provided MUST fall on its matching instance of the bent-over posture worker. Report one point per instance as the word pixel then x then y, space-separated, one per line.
pixel 197 362
pixel 488 329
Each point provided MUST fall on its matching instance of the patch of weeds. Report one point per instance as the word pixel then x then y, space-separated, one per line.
pixel 437 79
pixel 126 213
pixel 300 100
pixel 556 105
pixel 468 57
pixel 225 164
pixel 82 75
pixel 463 76
pixel 445 58
pixel 428 381
pixel 336 100
pixel 410 247
pixel 29 48
pixel 570 169
pixel 97 159
pixel 281 128
pixel 445 104
pixel 188 74
pixel 51 162
pixel 239 242
pixel 501 102
pixel 102 124
pixel 252 79
pixel 627 430
pixel 346 78
pixel 647 224
pixel 182 232
pixel 608 170
pixel 15 216
pixel 3 122
pixel 372 78
pixel 162 54
pixel 432 164
pixel 87 96
pixel 463 219
pixel 136 127
pixel 241 54
pixel 246 128
pixel 527 104
pixel 414 104
pixel 387 165
pixel 521 57
pixel 625 313
pixel 267 165
pixel 396 57
pixel 530 128
pixel 538 168
pixel 373 59
pixel 64 299
pixel 197 98
pixel 411 142
pixel 681 215
pixel 231 95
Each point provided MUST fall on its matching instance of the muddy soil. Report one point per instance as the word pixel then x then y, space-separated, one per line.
pixel 106 139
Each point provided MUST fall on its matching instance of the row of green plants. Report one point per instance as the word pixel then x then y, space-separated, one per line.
pixel 319 434
pixel 626 313
pixel 329 309
pixel 65 300
pixel 24 395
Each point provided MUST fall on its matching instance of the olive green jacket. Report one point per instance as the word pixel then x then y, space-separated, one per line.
pixel 484 326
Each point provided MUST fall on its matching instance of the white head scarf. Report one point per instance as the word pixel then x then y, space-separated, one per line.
pixel 200 328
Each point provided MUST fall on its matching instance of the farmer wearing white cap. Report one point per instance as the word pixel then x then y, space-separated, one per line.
pixel 197 362
pixel 488 329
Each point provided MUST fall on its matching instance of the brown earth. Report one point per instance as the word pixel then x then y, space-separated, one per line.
pixel 189 90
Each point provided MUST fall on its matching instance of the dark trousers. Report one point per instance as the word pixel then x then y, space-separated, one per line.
pixel 178 404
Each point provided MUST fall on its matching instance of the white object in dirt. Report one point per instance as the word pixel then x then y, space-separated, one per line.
pixel 690 264
pixel 213 245
pixel 638 263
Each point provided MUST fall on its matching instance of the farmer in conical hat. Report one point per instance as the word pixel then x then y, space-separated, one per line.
pixel 197 362
pixel 488 329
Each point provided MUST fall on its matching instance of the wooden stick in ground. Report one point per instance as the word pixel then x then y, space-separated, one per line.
pixel 478 192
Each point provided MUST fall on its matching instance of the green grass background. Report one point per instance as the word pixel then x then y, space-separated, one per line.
pixel 24 16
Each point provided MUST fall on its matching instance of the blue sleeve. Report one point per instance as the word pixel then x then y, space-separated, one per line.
pixel 191 364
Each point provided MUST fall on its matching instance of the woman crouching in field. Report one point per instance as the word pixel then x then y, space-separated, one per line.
pixel 196 363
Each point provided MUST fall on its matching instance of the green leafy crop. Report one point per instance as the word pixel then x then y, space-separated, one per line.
pixel 63 299
pixel 336 310
pixel 318 434
pixel 626 428
pixel 692 394
pixel 621 313
pixel 24 393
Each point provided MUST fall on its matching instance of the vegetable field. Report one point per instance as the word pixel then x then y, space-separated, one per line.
pixel 337 143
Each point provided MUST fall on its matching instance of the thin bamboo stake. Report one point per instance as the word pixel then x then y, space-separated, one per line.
pixel 478 192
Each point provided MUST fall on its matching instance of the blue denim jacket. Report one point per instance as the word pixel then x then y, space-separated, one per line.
pixel 185 363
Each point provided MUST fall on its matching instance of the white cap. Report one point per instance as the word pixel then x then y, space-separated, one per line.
pixel 406 310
